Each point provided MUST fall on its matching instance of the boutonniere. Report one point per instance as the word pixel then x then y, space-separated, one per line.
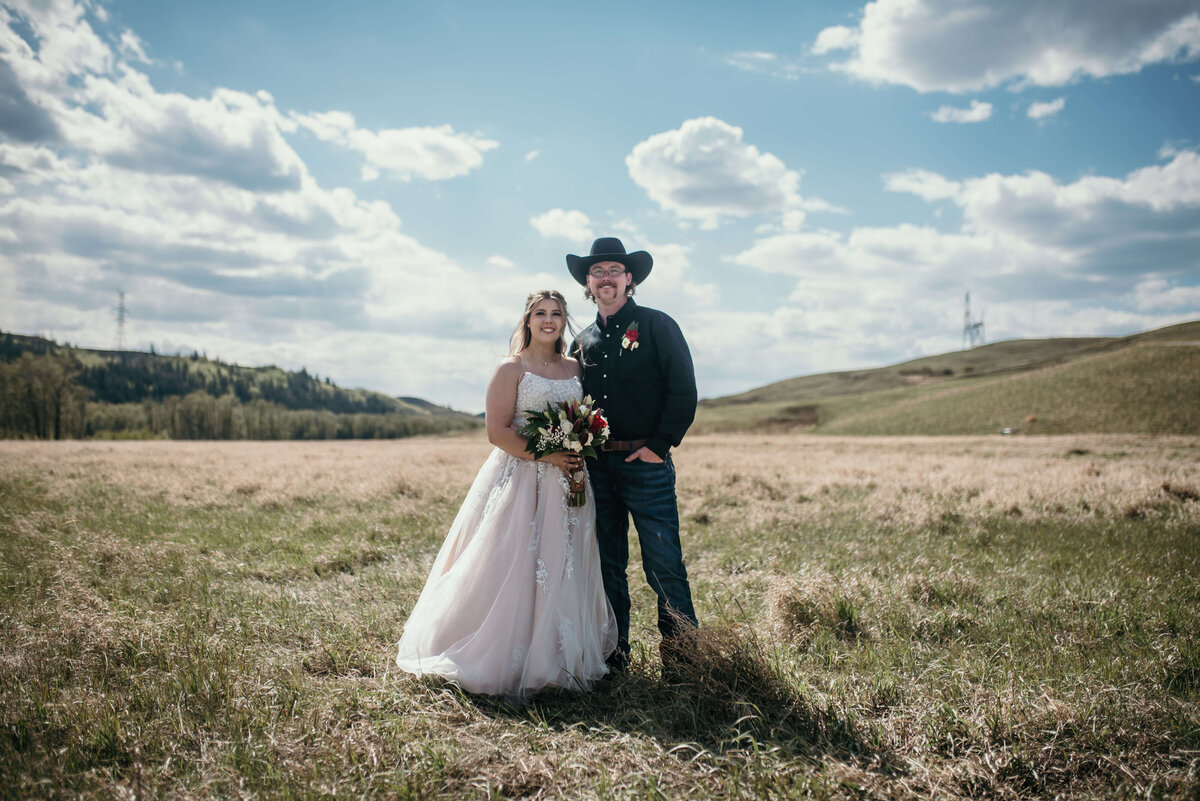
pixel 629 341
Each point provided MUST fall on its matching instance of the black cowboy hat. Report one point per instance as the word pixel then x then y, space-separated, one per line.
pixel 609 248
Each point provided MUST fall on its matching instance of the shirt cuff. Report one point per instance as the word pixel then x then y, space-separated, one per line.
pixel 659 445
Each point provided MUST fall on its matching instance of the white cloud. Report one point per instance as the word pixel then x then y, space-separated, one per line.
pixel 837 37
pixel 924 184
pixel 969 45
pixel 764 63
pixel 1046 258
pixel 501 262
pixel 978 112
pixel 881 295
pixel 432 153
pixel 202 212
pixel 704 171
pixel 1157 294
pixel 65 43
pixel 230 136
pixel 531 155
pixel 1038 110
pixel 132 47
pixel 563 224
pixel 1023 238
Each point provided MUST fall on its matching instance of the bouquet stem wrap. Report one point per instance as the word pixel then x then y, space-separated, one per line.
pixel 578 494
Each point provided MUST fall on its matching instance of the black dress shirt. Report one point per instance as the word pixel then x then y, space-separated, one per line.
pixel 647 392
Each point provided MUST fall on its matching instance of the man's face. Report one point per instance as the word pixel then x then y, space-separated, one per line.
pixel 608 280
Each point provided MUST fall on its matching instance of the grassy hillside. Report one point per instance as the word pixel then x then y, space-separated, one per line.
pixel 1145 383
pixel 1000 357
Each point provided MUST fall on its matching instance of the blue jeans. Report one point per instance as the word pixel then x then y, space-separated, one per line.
pixel 646 491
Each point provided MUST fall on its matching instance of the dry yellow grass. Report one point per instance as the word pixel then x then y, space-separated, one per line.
pixel 198 473
pixel 914 480
pixel 902 479
pixel 893 617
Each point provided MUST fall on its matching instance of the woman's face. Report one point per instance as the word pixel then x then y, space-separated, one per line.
pixel 546 321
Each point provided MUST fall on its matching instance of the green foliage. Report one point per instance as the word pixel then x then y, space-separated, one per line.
pixel 49 391
pixel 202 416
pixel 39 397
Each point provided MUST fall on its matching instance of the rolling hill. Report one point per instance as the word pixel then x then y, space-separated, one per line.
pixel 1144 383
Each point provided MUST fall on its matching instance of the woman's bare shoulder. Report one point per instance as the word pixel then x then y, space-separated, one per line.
pixel 510 366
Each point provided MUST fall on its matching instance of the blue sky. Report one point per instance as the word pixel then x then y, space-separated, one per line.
pixel 370 189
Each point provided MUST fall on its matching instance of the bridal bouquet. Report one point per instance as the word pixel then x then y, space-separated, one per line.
pixel 569 426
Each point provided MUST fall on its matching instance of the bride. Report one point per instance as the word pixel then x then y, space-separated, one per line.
pixel 514 602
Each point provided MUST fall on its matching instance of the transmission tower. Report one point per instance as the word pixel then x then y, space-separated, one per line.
pixel 122 316
pixel 972 328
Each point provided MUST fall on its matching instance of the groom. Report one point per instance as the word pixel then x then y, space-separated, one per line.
pixel 638 369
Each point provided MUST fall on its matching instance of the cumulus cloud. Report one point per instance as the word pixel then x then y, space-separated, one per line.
pixel 1125 246
pixel 1157 293
pixel 531 155
pixel 432 153
pixel 969 45
pixel 1038 110
pixel 704 171
pixel 922 183
pixel 837 37
pixel 978 112
pixel 203 213
pixel 20 118
pixel 880 295
pixel 563 224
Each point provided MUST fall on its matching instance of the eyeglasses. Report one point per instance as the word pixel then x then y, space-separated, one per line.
pixel 611 272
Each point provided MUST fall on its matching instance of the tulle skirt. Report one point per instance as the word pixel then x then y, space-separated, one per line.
pixel 514 602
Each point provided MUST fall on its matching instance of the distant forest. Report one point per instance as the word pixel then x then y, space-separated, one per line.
pixel 51 391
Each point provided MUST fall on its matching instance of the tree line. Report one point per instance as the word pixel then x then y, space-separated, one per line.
pixel 133 376
pixel 50 395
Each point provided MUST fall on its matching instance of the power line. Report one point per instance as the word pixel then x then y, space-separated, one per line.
pixel 972 328
pixel 122 316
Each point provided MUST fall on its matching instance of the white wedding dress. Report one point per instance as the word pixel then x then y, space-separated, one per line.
pixel 514 602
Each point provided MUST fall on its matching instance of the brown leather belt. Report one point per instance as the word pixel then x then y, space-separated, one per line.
pixel 622 444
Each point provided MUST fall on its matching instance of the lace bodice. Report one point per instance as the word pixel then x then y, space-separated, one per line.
pixel 535 391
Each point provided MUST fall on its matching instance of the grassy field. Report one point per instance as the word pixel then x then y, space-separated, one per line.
pixel 952 617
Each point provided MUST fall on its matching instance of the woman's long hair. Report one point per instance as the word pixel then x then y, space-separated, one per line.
pixel 521 335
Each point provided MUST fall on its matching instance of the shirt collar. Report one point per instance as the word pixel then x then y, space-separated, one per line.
pixel 621 317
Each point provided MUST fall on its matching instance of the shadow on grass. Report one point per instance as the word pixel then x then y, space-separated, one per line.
pixel 727 693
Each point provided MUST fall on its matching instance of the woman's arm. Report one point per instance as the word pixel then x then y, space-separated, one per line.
pixel 498 416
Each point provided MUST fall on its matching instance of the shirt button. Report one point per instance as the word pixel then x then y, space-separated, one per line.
pixel 606 397
pixel 606 336
pixel 605 375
